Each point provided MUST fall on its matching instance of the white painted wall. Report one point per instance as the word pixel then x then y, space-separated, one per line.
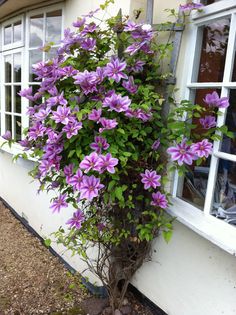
pixel 188 276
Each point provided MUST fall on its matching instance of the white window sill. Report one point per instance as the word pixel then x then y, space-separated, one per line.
pixel 15 149
pixel 215 230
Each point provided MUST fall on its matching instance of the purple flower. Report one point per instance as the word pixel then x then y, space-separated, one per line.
pixel 89 28
pixel 138 113
pixel 208 122
pixel 44 167
pixel 42 114
pixel 27 93
pixel 130 26
pixel 117 102
pixel 107 124
pixel 68 171
pixel 215 101
pixel 88 43
pixel 90 162
pixel 72 128
pixel 77 219
pixel 76 180
pixel 150 179
pixel 90 187
pixel 143 32
pixel 133 48
pixel 62 115
pixel 7 135
pixel 114 69
pixel 156 144
pixel 80 22
pixel 130 86
pixel 190 6
pixel 37 130
pixel 99 144
pixel 138 66
pixel 95 114
pixel 91 13
pixel 107 163
pixel 55 100
pixel 87 81
pixel 159 200
pixel 59 203
pixel 181 153
pixel 202 148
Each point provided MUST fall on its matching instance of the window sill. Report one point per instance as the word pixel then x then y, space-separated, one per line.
pixel 216 231
pixel 14 150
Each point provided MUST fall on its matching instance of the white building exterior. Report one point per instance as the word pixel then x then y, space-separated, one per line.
pixel 195 274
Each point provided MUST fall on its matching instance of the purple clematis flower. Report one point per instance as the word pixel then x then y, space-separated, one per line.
pixel 190 6
pixel 133 48
pixel 202 148
pixel 90 187
pixel 107 124
pixel 42 114
pixel 208 122
pixel 130 86
pixel 72 128
pixel 99 144
pixel 88 44
pixel 107 163
pixel 159 200
pixel 55 100
pixel 77 219
pixel 156 144
pixel 90 162
pixel 37 130
pixel 117 103
pixel 215 101
pixel 62 115
pixel 95 114
pixel 59 203
pixel 87 81
pixel 130 26
pixel 80 22
pixel 114 69
pixel 181 153
pixel 138 66
pixel 7 135
pixel 150 179
pixel 44 167
pixel 76 180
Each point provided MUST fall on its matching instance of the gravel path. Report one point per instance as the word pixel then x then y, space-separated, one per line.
pixel 32 280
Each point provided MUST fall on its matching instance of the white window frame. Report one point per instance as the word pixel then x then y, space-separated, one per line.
pixel 22 46
pixel 217 231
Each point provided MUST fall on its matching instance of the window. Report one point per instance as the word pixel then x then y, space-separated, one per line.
pixel 211 188
pixel 21 41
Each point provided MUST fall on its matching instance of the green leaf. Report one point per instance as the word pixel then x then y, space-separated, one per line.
pixel 47 242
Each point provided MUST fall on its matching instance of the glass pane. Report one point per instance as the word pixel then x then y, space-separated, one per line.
pixel 35 56
pixel 206 2
pixel 51 54
pixel 36 30
pixel 17 99
pixel 8 98
pixel 229 145
pixel 8 122
pixel 213 51
pixel 7 34
pixel 224 203
pixel 35 89
pixel 8 67
pixel 17 31
pixel 17 67
pixel 53 26
pixel 192 188
pixel 17 127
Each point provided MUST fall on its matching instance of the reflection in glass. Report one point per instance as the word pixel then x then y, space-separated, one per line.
pixel 8 67
pixel 229 145
pixel 17 32
pixel 52 53
pixel 206 2
pixel 53 26
pixel 224 203
pixel 8 98
pixel 35 56
pixel 17 99
pixel 8 122
pixel 17 67
pixel 36 30
pixel 7 34
pixel 17 127
pixel 192 188
pixel 213 52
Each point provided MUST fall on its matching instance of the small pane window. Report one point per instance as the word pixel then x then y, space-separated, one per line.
pixel 17 99
pixel 17 28
pixel 36 31
pixel 7 34
pixel 17 67
pixel 53 27
pixel 8 122
pixel 8 68
pixel 35 56
pixel 17 128
pixel 8 98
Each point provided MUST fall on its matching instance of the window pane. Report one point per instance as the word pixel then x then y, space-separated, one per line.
pixel 8 98
pixel 36 31
pixel 213 52
pixel 8 122
pixel 53 26
pixel 52 53
pixel 7 34
pixel 8 67
pixel 206 2
pixel 17 31
pixel 17 127
pixel 35 56
pixel 17 99
pixel 229 145
pixel 224 202
pixel 17 67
